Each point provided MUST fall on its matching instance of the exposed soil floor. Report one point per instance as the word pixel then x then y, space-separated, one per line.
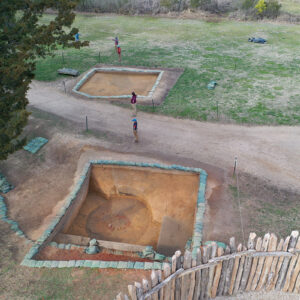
pixel 139 205
pixel 118 83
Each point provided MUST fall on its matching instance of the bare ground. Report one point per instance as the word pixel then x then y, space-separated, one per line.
pixel 268 165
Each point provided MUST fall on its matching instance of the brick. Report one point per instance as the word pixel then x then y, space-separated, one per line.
pixel 157 266
pixel 148 266
pixel 87 263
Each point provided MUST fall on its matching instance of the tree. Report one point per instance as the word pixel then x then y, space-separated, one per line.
pixel 23 39
pixel 261 7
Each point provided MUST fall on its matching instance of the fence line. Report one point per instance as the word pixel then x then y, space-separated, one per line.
pixel 263 265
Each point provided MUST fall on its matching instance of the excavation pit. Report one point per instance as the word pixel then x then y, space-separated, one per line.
pixel 117 83
pixel 127 206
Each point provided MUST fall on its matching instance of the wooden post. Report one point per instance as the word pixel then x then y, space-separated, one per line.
pixel 154 282
pixel 282 273
pixel 297 285
pixel 64 83
pixel 273 267
pixel 99 57
pixel 167 288
pixel 239 274
pixel 234 270
pixel 254 264
pixel 86 124
pixel 139 290
pixel 248 261
pixel 268 262
pixel 185 280
pixel 175 266
pixel 160 279
pixel 193 281
pixel 198 276
pixel 146 285
pixel 279 264
pixel 260 263
pixel 204 273
pixel 132 292
pixel 211 269
pixel 291 270
pixel 230 267
pixel 217 275
pixel 223 274
pixel 296 271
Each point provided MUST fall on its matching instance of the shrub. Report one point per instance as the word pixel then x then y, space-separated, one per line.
pixel 261 7
pixel 248 4
pixel 273 9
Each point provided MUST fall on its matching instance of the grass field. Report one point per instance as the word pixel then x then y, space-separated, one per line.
pixel 257 84
pixel 291 6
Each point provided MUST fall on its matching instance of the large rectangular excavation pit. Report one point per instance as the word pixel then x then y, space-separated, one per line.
pixel 126 206
pixel 136 206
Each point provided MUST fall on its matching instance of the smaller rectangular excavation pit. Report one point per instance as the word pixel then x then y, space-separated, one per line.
pixel 117 83
pixel 127 206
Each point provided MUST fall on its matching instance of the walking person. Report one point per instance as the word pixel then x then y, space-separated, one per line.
pixel 135 128
pixel 133 103
pixel 119 52
pixel 116 40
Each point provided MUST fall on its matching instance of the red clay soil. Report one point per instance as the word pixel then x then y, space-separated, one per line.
pixel 51 253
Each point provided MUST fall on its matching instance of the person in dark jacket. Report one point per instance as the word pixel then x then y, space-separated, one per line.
pixel 135 128
pixel 133 102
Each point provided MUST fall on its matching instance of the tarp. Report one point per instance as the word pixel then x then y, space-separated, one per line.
pixel 35 144
pixel 257 40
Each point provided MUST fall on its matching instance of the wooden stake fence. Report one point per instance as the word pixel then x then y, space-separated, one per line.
pixel 263 265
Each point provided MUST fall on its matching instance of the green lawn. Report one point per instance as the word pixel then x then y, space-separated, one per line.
pixel 257 84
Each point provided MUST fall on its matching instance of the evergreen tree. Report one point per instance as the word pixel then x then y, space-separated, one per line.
pixel 23 39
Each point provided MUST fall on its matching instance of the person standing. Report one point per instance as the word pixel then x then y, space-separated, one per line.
pixel 77 37
pixel 116 40
pixel 133 103
pixel 135 128
pixel 119 52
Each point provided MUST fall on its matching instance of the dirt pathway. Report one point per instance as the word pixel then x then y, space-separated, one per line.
pixel 270 153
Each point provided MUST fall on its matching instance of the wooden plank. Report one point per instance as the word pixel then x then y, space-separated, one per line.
pixel 217 274
pixel 267 263
pixel 146 285
pixel 254 264
pixel 291 269
pixel 178 280
pixel 120 296
pixel 139 290
pixel 261 261
pixel 157 287
pixel 175 264
pixel 185 280
pixel 192 282
pixel 211 269
pixel 132 292
pixel 223 274
pixel 279 264
pixel 160 279
pixel 295 273
pixel 154 283
pixel 248 261
pixel 198 276
pixel 282 273
pixel 234 271
pixel 239 275
pixel 167 288
pixel 204 274
pixel 230 266
pixel 273 266
pixel 297 285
